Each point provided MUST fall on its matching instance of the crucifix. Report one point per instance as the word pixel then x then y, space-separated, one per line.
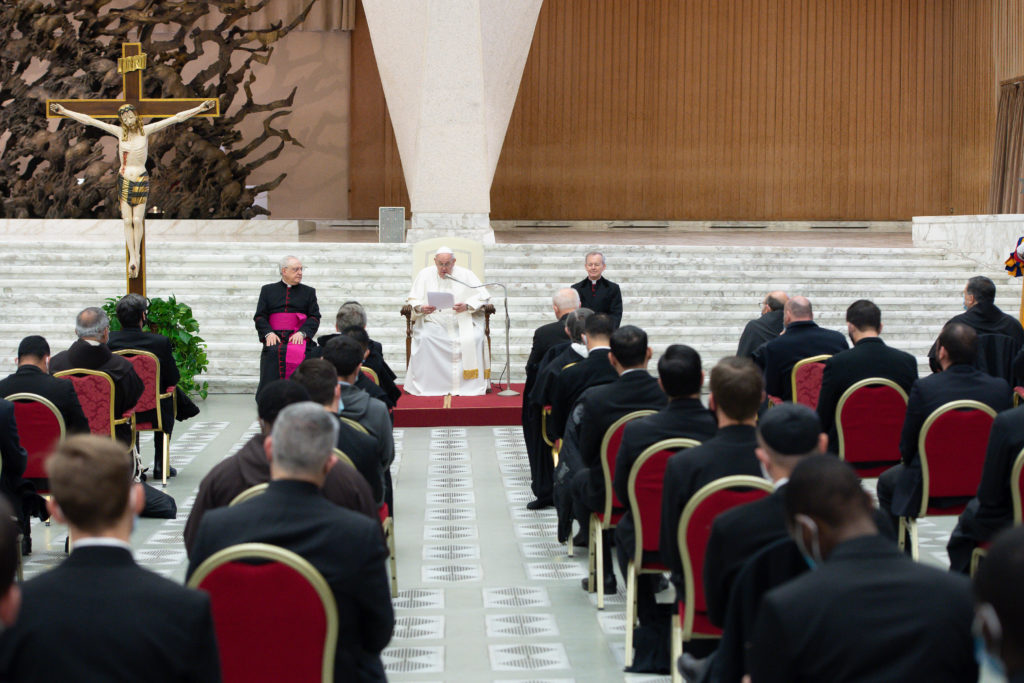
pixel 133 145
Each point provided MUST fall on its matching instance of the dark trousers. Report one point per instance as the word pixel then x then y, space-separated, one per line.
pixel 586 501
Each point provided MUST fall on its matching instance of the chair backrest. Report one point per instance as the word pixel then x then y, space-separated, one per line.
pixel 371 374
pixel 147 367
pixel 95 391
pixel 806 379
pixel 343 458
pixel 355 425
pixel 609 452
pixel 468 253
pixel 646 483
pixel 869 421
pixel 952 448
pixel 273 612
pixel 695 527
pixel 40 428
pixel 1017 488
pixel 250 492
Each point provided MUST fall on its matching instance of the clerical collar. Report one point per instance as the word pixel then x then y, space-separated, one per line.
pixel 779 483
pixel 91 342
pixel 598 348
pixel 593 281
pixel 101 541
pixel 629 370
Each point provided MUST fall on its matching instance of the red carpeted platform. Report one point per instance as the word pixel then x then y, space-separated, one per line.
pixel 463 411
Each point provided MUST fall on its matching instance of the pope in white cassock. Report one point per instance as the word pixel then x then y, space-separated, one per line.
pixel 448 355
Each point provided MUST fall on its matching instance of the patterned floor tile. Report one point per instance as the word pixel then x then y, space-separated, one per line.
pixel 402 659
pixel 541 530
pixel 646 678
pixel 451 573
pixel 439 433
pixel 450 483
pixel 419 598
pixel 516 625
pixel 449 514
pixel 528 657
pixel 449 532
pixel 519 481
pixel 519 496
pixel 618 598
pixel 451 552
pixel 442 469
pixel 537 680
pixel 612 623
pixel 419 627
pixel 516 596
pixel 450 498
pixel 543 515
pixel 449 457
pixel 551 571
pixel 544 550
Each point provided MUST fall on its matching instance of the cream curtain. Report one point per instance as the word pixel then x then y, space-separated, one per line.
pixel 1005 195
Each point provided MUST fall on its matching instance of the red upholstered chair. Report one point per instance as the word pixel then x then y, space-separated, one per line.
pixel 869 422
pixel 95 391
pixel 1017 496
pixel 952 448
pixel 147 367
pixel 371 374
pixel 1018 394
pixel 40 428
pixel 613 507
pixel 691 620
pixel 646 482
pixel 806 379
pixel 274 614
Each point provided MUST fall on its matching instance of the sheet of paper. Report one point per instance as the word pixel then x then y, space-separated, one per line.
pixel 440 300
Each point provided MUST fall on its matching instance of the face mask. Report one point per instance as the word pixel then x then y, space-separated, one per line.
pixel 990 667
pixel 764 471
pixel 813 557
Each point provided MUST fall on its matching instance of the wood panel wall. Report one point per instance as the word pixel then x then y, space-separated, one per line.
pixel 1008 39
pixel 734 109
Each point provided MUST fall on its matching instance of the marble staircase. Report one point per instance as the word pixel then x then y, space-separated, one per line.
pixel 699 295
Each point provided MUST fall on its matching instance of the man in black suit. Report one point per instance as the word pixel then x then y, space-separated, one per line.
pixel 114 620
pixel 344 546
pixel 598 293
pixel 634 389
pixel 352 313
pixel 998 615
pixel 92 353
pixel 802 339
pixel 736 392
pixel 1000 336
pixel 868 613
pixel 991 510
pixel 899 487
pixel 869 357
pixel 594 370
pixel 763 329
pixel 131 313
pixel 545 337
pixel 33 377
pixel 685 417
pixel 362 381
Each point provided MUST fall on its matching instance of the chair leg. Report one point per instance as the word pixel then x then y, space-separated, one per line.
pixel 389 538
pixel 167 458
pixel 976 557
pixel 630 611
pixel 591 558
pixel 901 534
pixel 914 553
pixel 599 551
pixel 676 649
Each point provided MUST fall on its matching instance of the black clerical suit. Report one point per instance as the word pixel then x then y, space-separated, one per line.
pixel 682 418
pixel 594 370
pixel 729 452
pixel 344 546
pixel 277 297
pixel 867 614
pixel 802 339
pixel 602 296
pixel 758 331
pixel 361 449
pixel 58 391
pixel 541 464
pixel 127 385
pixel 899 487
pixel 992 509
pixel 1000 338
pixel 544 337
pixel 98 616
pixel 869 357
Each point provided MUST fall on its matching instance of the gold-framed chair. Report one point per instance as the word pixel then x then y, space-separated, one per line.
pixel 254 588
pixel 805 379
pixel 1016 496
pixel 690 620
pixel 95 391
pixel 354 424
pixel 343 458
pixel 869 420
pixel 40 428
pixel 371 374
pixel 147 367
pixel 646 482
pixel 613 508
pixel 951 447
pixel 250 492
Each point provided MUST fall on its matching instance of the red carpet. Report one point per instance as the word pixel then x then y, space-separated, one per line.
pixel 465 411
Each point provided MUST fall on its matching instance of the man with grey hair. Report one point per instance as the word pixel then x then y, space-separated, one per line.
pixel 346 547
pixel 351 314
pixel 598 293
pixel 287 317
pixel 92 353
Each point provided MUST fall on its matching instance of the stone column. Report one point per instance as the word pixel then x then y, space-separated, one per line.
pixel 450 71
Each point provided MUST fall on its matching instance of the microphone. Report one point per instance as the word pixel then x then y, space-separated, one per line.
pixel 507 371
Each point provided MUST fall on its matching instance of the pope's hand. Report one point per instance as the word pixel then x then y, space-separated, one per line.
pixel 460 308
pixel 427 310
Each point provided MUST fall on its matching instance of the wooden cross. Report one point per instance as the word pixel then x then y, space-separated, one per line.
pixel 130 66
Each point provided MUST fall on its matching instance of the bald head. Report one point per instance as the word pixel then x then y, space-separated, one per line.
pixel 797 308
pixel 565 301
pixel 774 301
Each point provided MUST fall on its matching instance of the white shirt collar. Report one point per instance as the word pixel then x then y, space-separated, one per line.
pixel 779 483
pixel 581 349
pixel 102 542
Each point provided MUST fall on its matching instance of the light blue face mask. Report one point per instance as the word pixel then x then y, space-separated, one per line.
pixel 812 558
pixel 990 667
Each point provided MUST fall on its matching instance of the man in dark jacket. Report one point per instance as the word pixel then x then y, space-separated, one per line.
pixel 598 293
pixel 763 329
pixel 33 377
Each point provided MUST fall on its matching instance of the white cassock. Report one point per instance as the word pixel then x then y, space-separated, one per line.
pixel 448 353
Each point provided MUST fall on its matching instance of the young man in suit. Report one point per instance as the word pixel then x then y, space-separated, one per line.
pixel 866 612
pixel 634 389
pixel 869 357
pixel 899 487
pixel 33 377
pixel 344 546
pixel 802 339
pixel 114 620
pixel 597 292
pixel 592 371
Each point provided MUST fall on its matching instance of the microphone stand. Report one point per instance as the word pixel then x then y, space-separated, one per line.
pixel 507 372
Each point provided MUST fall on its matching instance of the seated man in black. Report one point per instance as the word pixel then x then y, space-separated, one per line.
pixel 33 377
pixel 345 547
pixel 363 382
pixel 352 313
pixel 869 357
pixel 595 369
pixel 867 613
pixel 998 611
pixel 634 389
pixel 763 329
pixel 899 487
pixel 685 417
pixel 598 293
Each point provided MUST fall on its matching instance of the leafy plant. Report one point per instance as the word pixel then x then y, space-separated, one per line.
pixel 174 321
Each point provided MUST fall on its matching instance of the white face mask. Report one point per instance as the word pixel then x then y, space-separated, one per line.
pixel 990 667
pixel 812 555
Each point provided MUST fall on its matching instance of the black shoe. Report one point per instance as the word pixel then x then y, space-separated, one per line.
pixel 690 667
pixel 540 504
pixel 580 540
pixel 159 474
pixel 610 586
